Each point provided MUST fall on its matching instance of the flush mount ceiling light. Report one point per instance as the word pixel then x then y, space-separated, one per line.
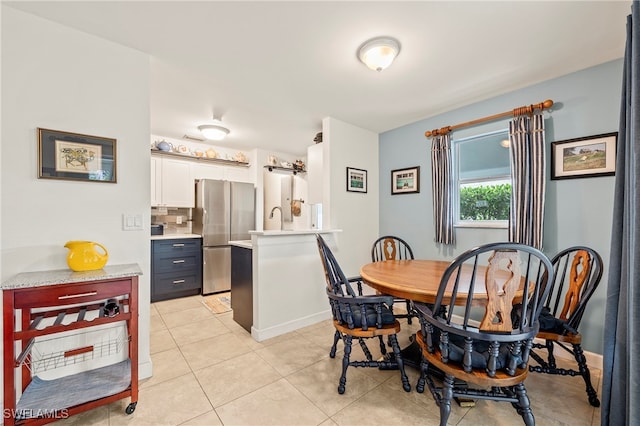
pixel 378 53
pixel 213 132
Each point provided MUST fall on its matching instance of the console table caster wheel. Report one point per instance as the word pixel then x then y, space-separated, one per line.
pixel 131 408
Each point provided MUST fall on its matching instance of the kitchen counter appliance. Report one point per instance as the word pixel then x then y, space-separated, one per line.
pixel 157 229
pixel 225 211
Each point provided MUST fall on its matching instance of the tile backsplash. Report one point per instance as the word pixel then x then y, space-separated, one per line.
pixel 176 220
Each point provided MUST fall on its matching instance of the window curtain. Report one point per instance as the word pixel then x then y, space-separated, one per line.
pixel 620 390
pixel 526 135
pixel 442 185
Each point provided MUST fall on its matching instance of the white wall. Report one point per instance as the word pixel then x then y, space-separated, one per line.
pixel 355 213
pixel 58 78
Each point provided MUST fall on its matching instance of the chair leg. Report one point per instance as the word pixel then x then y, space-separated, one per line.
pixel 393 341
pixel 445 400
pixel 345 364
pixel 586 375
pixel 423 375
pixel 408 311
pixel 365 349
pixel 550 358
pixel 524 406
pixel 336 337
pixel 383 347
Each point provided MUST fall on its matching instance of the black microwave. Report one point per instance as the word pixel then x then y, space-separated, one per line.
pixel 157 229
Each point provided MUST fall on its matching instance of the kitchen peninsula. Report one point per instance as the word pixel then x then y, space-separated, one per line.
pixel 288 281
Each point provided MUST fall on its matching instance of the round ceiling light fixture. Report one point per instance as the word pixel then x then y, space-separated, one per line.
pixel 213 132
pixel 378 53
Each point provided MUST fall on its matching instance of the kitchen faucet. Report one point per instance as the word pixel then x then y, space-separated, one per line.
pixel 281 221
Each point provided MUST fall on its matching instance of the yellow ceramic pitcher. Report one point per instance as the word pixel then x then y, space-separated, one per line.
pixel 83 255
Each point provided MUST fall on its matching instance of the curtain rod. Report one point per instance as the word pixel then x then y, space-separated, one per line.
pixel 517 111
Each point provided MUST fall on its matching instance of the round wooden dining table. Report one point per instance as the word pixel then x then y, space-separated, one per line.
pixel 419 280
pixel 416 280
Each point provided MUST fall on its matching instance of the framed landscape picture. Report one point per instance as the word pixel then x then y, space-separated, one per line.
pixel 584 157
pixel 356 180
pixel 74 156
pixel 405 181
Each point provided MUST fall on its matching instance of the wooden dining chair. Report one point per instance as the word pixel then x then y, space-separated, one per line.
pixel 390 247
pixel 361 317
pixel 578 271
pixel 478 335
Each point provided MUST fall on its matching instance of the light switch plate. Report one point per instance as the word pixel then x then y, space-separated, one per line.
pixel 132 222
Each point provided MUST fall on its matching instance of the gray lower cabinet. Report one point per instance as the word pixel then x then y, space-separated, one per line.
pixel 176 268
pixel 242 286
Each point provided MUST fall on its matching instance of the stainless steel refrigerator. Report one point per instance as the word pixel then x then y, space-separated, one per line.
pixel 225 211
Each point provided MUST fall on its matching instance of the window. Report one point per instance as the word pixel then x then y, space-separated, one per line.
pixel 483 180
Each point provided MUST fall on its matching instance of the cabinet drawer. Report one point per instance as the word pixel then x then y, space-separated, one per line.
pixel 172 283
pixel 170 262
pixel 177 247
pixel 67 294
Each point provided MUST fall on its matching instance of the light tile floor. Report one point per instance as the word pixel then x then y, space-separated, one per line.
pixel 207 370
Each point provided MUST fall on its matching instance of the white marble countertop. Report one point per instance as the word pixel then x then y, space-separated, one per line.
pixel 242 243
pixel 67 276
pixel 174 236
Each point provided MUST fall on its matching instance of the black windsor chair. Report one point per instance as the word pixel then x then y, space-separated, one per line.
pixel 578 271
pixel 390 247
pixel 482 351
pixel 361 317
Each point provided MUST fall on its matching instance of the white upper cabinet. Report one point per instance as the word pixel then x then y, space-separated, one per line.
pixel 238 174
pixel 207 171
pixel 220 172
pixel 172 183
pixel 173 179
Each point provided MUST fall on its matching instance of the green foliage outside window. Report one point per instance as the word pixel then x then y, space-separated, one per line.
pixel 490 202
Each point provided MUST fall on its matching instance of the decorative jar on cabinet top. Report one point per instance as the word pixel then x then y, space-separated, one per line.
pixel 83 255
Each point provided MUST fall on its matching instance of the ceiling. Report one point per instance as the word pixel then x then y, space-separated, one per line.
pixel 273 70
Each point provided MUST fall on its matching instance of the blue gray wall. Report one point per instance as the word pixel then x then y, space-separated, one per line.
pixel 577 211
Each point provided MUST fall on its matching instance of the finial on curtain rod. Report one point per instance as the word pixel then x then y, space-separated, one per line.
pixel 517 111
pixel 438 132
pixel 528 110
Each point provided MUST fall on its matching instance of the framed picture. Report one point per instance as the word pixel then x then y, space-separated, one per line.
pixel 405 181
pixel 356 180
pixel 584 157
pixel 73 156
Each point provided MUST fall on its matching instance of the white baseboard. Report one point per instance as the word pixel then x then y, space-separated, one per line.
pixel 145 370
pixel 594 360
pixel 276 330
